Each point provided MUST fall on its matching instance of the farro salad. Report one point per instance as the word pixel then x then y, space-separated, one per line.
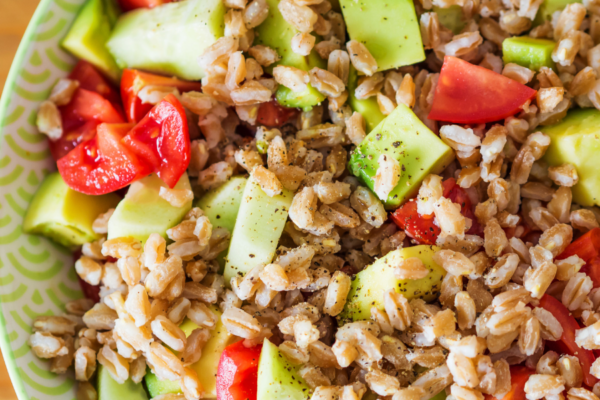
pixel 335 200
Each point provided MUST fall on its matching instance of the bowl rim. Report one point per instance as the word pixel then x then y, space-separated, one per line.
pixel 11 80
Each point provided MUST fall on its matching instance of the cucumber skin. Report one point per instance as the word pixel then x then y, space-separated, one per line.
pixel 168 39
pixel 257 230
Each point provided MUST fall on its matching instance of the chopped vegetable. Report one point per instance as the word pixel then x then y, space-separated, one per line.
pixel 469 94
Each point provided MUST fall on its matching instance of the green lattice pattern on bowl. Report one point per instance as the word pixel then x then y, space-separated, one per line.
pixel 36 277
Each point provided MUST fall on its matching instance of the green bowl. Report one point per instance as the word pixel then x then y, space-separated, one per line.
pixel 36 275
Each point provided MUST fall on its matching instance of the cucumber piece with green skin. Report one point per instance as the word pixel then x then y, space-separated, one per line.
pixel 143 212
pixel 277 33
pixel 257 230
pixel 368 108
pixel 278 379
pixel 402 136
pixel 109 389
pixel 63 214
pixel 89 33
pixel 168 39
pixel 369 285
pixel 221 205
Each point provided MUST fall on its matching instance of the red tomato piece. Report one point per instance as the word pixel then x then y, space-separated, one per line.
pixel 90 79
pixel 161 140
pixel 419 227
pixel 88 106
pixel 592 269
pixel 128 5
pixel 518 378
pixel 102 164
pixel 69 140
pixel 133 81
pixel 272 114
pixel 89 291
pixel 567 344
pixel 586 247
pixel 470 94
pixel 458 196
pixel 86 110
pixel 237 374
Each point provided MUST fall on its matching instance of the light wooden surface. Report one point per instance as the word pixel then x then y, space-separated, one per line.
pixel 14 17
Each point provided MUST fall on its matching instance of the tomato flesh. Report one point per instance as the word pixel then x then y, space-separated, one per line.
pixel 422 227
pixel 161 140
pixel 80 118
pixel 237 373
pixel 273 115
pixel 102 164
pixel 419 227
pixel 586 247
pixel 567 344
pixel 128 5
pixel 470 94
pixel 518 378
pixel 69 140
pixel 458 196
pixel 86 105
pixel 133 81
pixel 90 79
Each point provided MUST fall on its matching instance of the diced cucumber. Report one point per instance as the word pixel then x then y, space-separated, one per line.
pixel 168 39
pixel 143 212
pixel 63 214
pixel 89 33
pixel 451 18
pixel 278 378
pixel 205 367
pixel 277 33
pixel 369 285
pixel 221 205
pixel 368 108
pixel 257 230
pixel 109 389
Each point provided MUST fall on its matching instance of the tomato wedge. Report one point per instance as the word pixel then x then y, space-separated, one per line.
pixel 586 247
pixel 273 115
pixel 86 105
pixel 470 94
pixel 518 378
pixel 69 140
pixel 161 140
pixel 86 110
pixel 102 164
pixel 133 81
pixel 90 79
pixel 128 5
pixel 567 344
pixel 237 374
